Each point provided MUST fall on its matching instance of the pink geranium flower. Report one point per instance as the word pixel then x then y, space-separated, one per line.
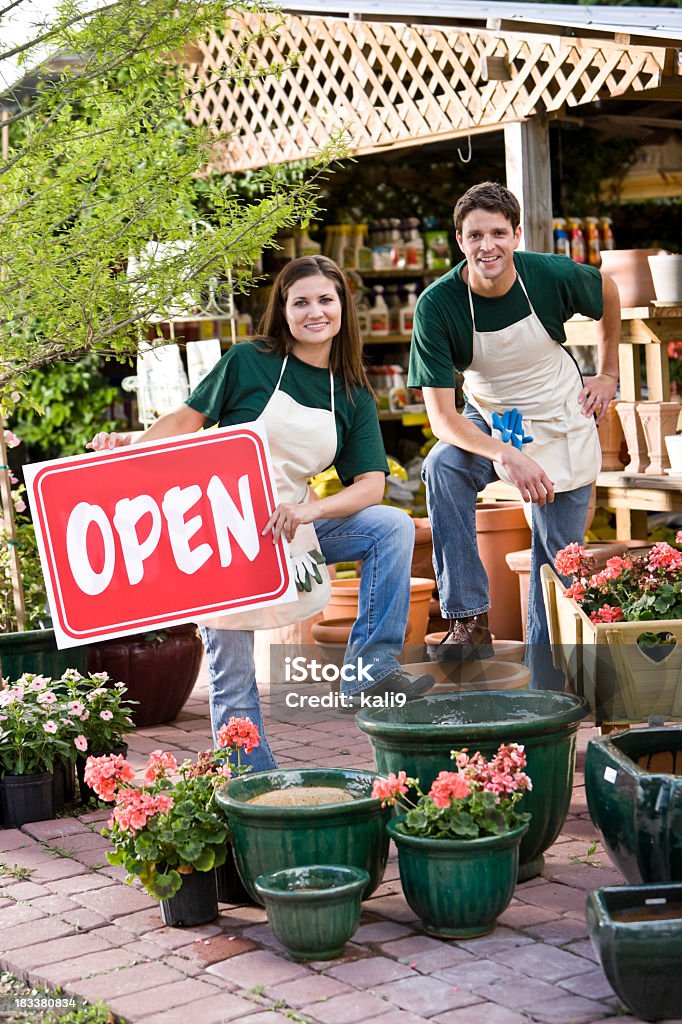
pixel 388 790
pixel 239 733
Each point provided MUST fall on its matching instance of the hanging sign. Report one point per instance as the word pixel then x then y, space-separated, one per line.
pixel 157 534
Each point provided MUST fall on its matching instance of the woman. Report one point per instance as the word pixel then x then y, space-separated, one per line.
pixel 303 379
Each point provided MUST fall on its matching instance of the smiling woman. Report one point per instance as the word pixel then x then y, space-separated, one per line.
pixel 303 379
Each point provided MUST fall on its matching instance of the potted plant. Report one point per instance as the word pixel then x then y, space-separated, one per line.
pixel 458 844
pixel 618 632
pixel 168 830
pixel 37 731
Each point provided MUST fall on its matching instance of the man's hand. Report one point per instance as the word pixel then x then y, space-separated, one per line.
pixel 596 394
pixel 510 426
pixel 104 442
pixel 526 475
pixel 286 519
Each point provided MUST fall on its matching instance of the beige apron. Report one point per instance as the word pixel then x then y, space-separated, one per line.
pixel 522 367
pixel 302 442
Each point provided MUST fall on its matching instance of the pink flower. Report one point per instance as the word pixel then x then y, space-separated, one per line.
pixel 80 743
pixel 46 697
pixel 567 560
pixel 449 786
pixel 105 774
pixel 607 613
pixel 678 537
pixel 158 765
pixel 662 556
pixel 239 732
pixel 616 566
pixel 576 591
pixel 50 726
pixel 11 440
pixel 38 683
pixel 134 809
pixel 19 503
pixel 106 716
pixel 76 706
pixel 388 790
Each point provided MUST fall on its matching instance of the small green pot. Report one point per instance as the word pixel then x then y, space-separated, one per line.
pixel 271 838
pixel 313 910
pixel 637 933
pixel 458 887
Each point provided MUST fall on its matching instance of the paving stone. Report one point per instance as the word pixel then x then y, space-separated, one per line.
pixel 349 1009
pixel 117 983
pixel 560 930
pixel 83 918
pixel 53 905
pixel 54 828
pixel 185 966
pixel 394 908
pixel 141 921
pixel 85 883
pixel 27 891
pixel 582 948
pixel 543 961
pixel 401 1017
pixel 305 991
pixel 59 949
pixel 591 985
pixel 175 938
pixel 474 974
pixel 85 840
pixel 12 839
pixel 560 1009
pixel 19 913
pixel 369 972
pixel 258 968
pixel 60 973
pixel 425 997
pixel 481 1013
pixel 217 948
pixel 525 915
pixel 263 935
pixel 54 870
pixel 551 896
pixel 162 997
pixel 13 939
pixel 113 901
pixel 499 941
pixel 380 931
pixel 268 1017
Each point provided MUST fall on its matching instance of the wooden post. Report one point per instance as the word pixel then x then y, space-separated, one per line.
pixel 5 482
pixel 526 146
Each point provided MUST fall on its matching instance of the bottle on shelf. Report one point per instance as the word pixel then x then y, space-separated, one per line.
pixel 394 305
pixel 577 239
pixel 592 240
pixel 397 245
pixel 437 246
pixel 606 233
pixel 407 310
pixel 305 245
pixel 378 314
pixel 562 245
pixel 357 255
pixel 414 245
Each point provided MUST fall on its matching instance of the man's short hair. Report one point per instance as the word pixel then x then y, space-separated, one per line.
pixel 488 195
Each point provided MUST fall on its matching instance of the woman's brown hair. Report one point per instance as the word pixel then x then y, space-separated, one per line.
pixel 345 358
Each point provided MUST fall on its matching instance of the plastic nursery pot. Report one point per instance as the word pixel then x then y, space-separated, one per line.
pixel 195 902
pixel 270 838
pixel 458 887
pixel 633 783
pixel 313 910
pixel 418 738
pixel 230 886
pixel 25 798
pixel 35 650
pixel 636 932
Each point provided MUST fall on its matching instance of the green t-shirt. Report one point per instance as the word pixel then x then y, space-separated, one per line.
pixel 239 387
pixel 442 332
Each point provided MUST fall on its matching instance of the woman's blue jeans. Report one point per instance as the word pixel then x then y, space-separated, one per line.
pixel 453 479
pixel 383 538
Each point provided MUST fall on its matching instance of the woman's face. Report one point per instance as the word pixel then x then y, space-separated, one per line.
pixel 313 312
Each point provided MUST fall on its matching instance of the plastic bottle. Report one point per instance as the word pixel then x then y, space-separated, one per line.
pixel 577 239
pixel 305 245
pixel 397 245
pixel 394 306
pixel 407 310
pixel 378 314
pixel 592 239
pixel 356 255
pixel 606 233
pixel 562 245
pixel 414 246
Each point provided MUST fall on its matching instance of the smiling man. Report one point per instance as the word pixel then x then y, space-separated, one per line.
pixel 498 318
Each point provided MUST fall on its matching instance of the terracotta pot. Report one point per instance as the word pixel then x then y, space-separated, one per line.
pixel 634 436
pixel 658 419
pixel 422 557
pixel 337 631
pixel 489 674
pixel 504 650
pixel 630 270
pixel 501 527
pixel 159 669
pixel 611 439
pixel 344 604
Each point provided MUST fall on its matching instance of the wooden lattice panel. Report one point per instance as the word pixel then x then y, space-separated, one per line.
pixel 393 85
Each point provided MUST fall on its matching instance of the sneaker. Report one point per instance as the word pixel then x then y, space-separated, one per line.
pixel 466 640
pixel 396 682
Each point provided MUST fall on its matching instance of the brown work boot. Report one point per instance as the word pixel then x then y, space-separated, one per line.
pixel 466 640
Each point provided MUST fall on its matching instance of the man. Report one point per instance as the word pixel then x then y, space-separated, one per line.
pixel 498 317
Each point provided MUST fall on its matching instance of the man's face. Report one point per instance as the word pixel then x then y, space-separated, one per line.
pixel 488 241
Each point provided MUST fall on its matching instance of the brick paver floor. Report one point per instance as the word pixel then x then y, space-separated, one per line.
pixel 69 921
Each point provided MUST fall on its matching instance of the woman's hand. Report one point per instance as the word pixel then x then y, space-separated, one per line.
pixel 286 519
pixel 103 441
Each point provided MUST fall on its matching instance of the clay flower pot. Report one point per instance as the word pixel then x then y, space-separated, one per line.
pixel 501 527
pixel 634 436
pixel 611 439
pixel 630 270
pixel 344 604
pixel 658 419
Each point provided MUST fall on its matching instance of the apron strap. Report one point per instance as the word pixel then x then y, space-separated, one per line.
pixel 331 382
pixel 471 301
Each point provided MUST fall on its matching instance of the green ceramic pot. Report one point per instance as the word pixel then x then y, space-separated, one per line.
pixel 267 838
pixel 418 738
pixel 313 910
pixel 35 650
pixel 637 933
pixel 633 783
pixel 458 887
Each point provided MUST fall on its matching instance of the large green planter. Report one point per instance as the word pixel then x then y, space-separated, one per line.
pixel 315 910
pixel 418 738
pixel 458 887
pixel 267 838
pixel 35 650
pixel 633 783
pixel 637 933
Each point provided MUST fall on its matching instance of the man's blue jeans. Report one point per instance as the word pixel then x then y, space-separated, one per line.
pixel 383 538
pixel 453 479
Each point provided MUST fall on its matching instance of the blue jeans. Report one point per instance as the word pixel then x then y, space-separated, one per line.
pixel 383 538
pixel 453 479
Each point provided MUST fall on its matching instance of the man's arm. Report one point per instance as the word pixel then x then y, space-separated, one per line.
pixel 598 391
pixel 451 427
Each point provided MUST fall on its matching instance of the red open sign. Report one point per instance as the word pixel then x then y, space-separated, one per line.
pixel 159 533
